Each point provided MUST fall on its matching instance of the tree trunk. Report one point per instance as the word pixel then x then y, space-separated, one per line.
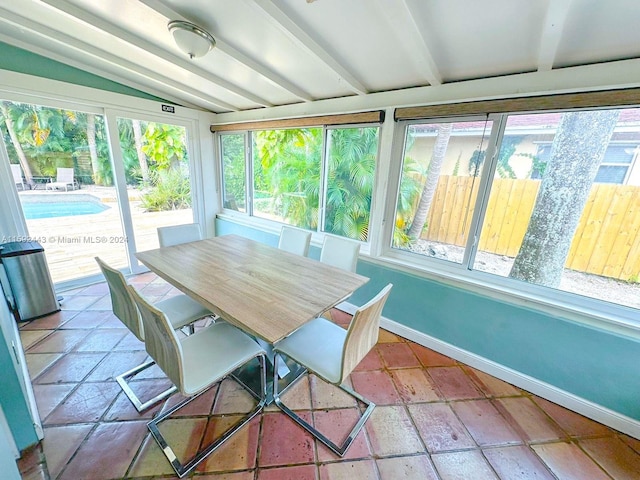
pixel 433 175
pixel 91 141
pixel 142 158
pixel 22 158
pixel 577 151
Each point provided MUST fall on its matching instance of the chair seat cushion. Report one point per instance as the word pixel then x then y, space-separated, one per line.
pixel 182 310
pixel 318 346
pixel 213 353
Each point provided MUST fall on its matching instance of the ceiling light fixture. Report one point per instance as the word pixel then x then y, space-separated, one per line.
pixel 190 38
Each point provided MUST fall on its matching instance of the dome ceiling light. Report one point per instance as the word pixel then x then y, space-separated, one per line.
pixel 190 38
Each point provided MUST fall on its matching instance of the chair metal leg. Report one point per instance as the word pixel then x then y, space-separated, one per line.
pixel 338 449
pixel 183 469
pixel 137 403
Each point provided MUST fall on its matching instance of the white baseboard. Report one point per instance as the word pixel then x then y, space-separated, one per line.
pixel 568 400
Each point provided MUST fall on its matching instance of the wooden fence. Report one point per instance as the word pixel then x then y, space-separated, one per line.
pixel 607 240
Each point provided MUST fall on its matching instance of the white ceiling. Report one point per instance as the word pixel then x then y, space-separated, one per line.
pixel 284 52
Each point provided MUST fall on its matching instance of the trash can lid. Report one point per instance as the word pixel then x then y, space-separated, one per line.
pixel 14 249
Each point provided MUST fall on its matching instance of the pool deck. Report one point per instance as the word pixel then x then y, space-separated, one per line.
pixel 72 242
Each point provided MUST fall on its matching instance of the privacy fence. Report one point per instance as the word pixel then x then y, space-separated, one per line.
pixel 607 241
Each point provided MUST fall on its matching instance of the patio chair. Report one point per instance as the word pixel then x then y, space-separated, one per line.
pixel 294 240
pixel 333 358
pixel 64 179
pixel 177 234
pixel 194 364
pixel 181 310
pixel 16 171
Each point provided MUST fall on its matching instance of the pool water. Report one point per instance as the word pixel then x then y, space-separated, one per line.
pixel 34 210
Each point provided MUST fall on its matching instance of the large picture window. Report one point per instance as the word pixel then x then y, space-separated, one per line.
pixel 317 178
pixel 559 208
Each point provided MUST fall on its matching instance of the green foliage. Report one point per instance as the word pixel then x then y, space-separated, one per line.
pixel 233 170
pixel 164 145
pixel 408 194
pixel 167 190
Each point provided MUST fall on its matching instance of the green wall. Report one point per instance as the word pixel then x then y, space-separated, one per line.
pixel 22 61
pixel 593 364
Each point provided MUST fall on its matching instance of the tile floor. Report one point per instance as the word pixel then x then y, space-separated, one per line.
pixel 436 418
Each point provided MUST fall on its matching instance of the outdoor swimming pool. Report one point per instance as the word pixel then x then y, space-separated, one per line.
pixel 50 209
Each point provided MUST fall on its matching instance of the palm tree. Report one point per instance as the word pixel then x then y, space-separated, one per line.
pixel 8 110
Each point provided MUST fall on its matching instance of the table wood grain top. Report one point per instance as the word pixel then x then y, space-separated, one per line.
pixel 265 291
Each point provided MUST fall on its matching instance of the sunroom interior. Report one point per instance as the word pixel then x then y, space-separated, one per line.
pixel 486 157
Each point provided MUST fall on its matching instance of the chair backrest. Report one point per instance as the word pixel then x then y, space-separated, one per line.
pixel 121 301
pixel 294 240
pixel 363 332
pixel 340 252
pixel 177 234
pixel 161 341
pixel 64 175
pixel 16 171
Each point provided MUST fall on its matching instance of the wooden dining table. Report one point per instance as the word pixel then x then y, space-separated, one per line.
pixel 266 292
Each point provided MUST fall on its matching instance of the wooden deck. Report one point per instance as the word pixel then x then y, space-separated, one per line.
pixel 72 242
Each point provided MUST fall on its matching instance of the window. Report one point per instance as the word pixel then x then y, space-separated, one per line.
pixel 317 178
pixel 547 212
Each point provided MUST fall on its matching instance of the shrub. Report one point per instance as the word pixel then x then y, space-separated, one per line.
pixel 167 190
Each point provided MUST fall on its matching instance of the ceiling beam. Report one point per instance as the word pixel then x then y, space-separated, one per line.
pixel 554 21
pixel 160 7
pixel 98 23
pixel 103 57
pixel 414 38
pixel 300 36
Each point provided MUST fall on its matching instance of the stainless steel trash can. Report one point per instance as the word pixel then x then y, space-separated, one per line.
pixel 29 279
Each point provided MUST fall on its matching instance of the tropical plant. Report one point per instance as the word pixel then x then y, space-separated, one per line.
pixel 166 190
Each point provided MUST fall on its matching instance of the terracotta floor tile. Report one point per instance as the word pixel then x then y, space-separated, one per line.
pixel 385 336
pixel 232 398
pixel 55 320
pixel 439 428
pixel 129 343
pixel 297 397
pixel 79 302
pixel 371 361
pixel 49 397
pixel 568 462
pixel 361 470
pixel 101 340
pixel 96 462
pixel 336 425
pixel 431 358
pixel 453 383
pixel 200 406
pixel 326 395
pixel 60 443
pixel 402 439
pixel 96 289
pixel 528 419
pixel 341 318
pixel 615 456
pixel 123 409
pixel 632 442
pixel 572 423
pixel 32 463
pixel 300 472
pixel 491 386
pixel 39 362
pixel 397 355
pixel 59 341
pixel 143 278
pixel 89 320
pixel 283 442
pixel 406 468
pixel 484 423
pixel 86 404
pixel 28 338
pixel 114 364
pixel 237 453
pixel 104 304
pixel 248 475
pixel 376 386
pixel 414 385
pixel 517 463
pixel 182 434
pixel 73 367
pixel 463 466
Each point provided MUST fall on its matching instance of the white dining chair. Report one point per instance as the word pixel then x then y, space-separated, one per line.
pixel 194 364
pixel 294 240
pixel 333 359
pixel 181 311
pixel 340 252
pixel 177 234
